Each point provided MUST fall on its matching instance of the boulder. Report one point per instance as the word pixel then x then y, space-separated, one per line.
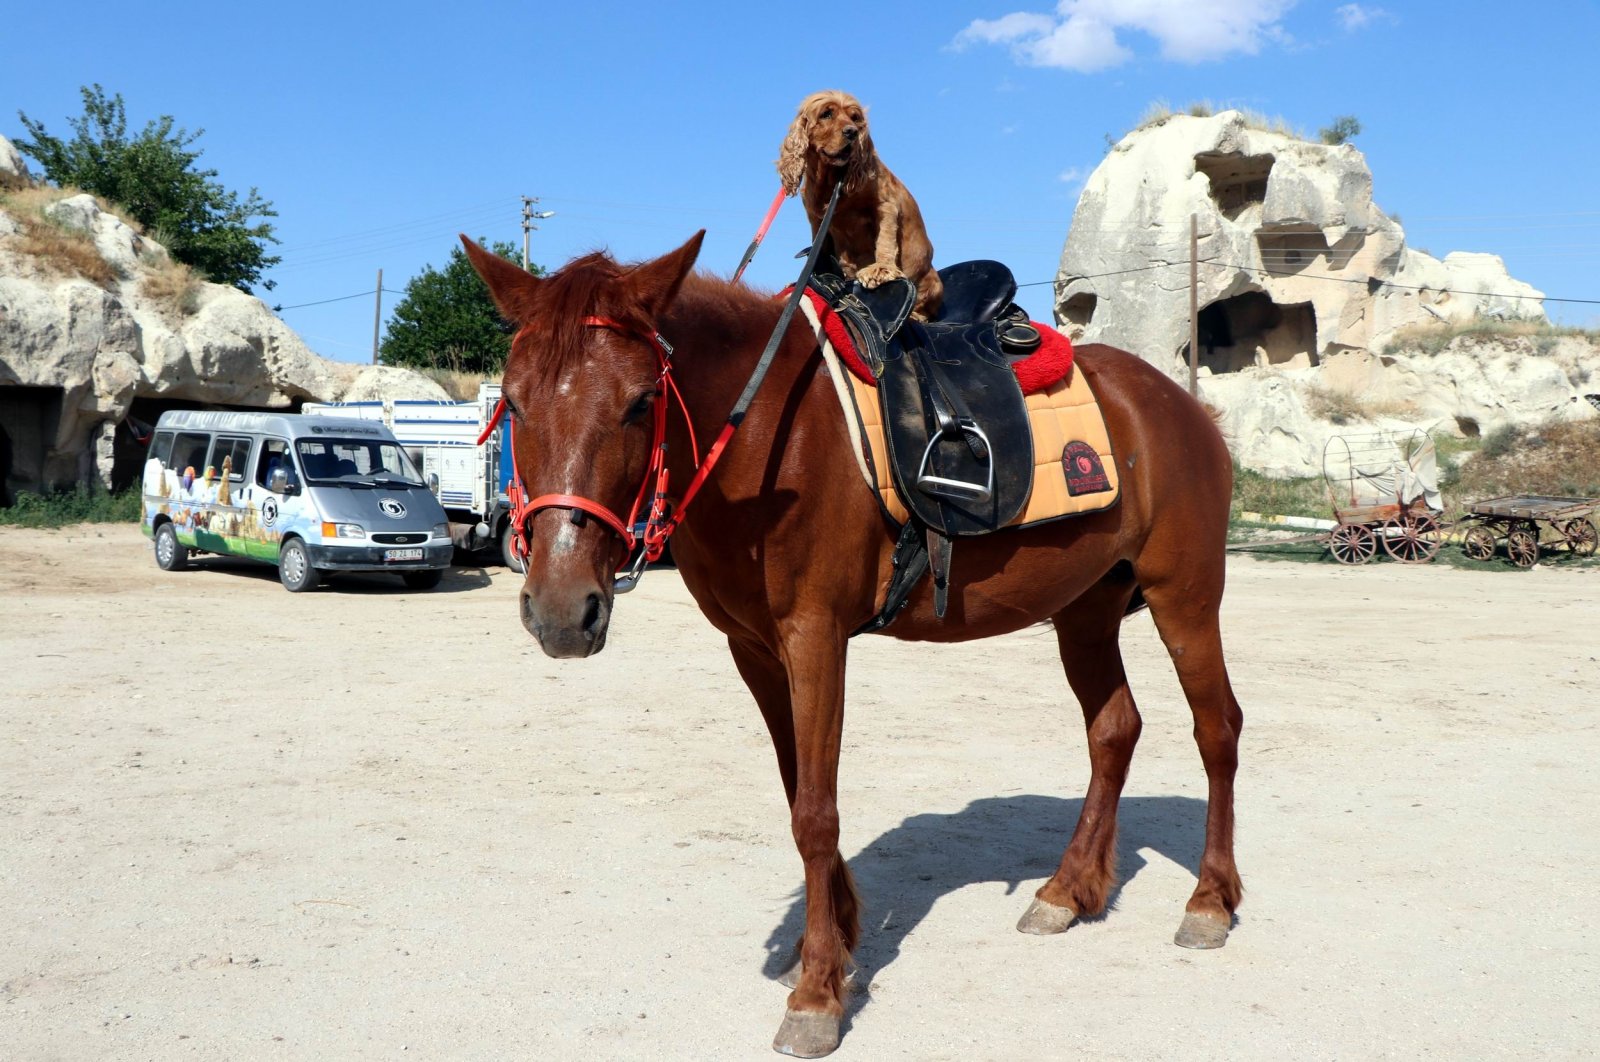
pixel 1297 261
pixel 1306 290
pixel 13 170
pixel 75 356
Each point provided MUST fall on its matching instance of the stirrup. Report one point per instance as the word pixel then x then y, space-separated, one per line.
pixel 958 489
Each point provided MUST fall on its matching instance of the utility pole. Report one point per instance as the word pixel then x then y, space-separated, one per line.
pixel 1194 305
pixel 377 316
pixel 529 216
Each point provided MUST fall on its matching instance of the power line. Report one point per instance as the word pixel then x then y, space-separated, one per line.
pixel 322 302
pixel 1407 287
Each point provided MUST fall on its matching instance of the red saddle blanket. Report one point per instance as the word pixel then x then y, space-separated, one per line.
pixel 1044 367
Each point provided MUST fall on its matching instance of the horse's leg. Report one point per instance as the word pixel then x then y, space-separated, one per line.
pixel 1185 609
pixel 1086 633
pixel 764 674
pixel 813 655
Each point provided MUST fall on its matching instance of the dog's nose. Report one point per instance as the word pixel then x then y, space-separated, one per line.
pixel 850 132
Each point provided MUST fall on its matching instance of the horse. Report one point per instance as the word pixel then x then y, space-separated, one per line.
pixel 787 551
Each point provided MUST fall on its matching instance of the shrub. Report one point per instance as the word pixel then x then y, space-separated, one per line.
pixel 66 507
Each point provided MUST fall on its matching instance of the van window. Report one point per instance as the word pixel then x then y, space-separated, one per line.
pixel 161 448
pixel 360 462
pixel 189 451
pixel 274 455
pixel 232 451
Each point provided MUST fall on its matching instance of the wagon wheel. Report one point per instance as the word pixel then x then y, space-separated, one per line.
pixel 1581 537
pixel 1412 538
pixel 1522 546
pixel 1479 543
pixel 1352 544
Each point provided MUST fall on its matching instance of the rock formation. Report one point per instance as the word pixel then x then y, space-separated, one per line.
pixel 1304 286
pixel 76 355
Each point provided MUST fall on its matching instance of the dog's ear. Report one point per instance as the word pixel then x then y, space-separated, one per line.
pixel 792 155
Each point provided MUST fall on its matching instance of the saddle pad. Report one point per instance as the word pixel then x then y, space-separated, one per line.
pixel 1075 471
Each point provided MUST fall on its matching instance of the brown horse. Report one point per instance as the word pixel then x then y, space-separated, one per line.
pixel 787 551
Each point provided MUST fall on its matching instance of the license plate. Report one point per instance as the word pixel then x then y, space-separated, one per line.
pixel 402 554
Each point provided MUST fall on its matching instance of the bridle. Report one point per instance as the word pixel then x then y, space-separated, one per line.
pixel 661 517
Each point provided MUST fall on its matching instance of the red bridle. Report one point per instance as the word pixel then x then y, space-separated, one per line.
pixel 661 520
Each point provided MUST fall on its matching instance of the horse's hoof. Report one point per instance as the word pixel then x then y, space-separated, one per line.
pixel 806 1035
pixel 1201 932
pixel 1042 919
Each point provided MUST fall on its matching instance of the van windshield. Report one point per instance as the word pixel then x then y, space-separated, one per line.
pixel 356 463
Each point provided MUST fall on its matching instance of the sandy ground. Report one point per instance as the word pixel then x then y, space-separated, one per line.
pixel 239 823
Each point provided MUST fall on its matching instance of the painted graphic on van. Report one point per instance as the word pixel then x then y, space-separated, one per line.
pixel 220 511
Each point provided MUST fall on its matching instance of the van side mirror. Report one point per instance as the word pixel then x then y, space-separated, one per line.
pixel 433 482
pixel 278 482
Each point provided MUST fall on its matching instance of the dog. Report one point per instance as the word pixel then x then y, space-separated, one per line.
pixel 877 228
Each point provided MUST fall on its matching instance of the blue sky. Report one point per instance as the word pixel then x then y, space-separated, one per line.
pixel 379 131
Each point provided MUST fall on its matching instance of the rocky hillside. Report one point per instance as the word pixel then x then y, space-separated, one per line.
pixel 97 323
pixel 1316 317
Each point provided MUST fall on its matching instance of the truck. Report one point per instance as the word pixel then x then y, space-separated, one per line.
pixel 442 440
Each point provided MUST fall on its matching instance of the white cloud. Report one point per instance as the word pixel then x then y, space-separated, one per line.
pixel 1354 17
pixel 1072 175
pixel 1082 35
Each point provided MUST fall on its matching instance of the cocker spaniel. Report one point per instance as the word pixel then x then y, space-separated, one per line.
pixel 877 229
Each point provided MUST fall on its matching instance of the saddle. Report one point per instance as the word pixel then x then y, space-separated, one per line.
pixel 956 425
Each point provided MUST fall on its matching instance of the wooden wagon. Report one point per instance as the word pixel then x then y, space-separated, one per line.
pixel 1528 524
pixel 1384 490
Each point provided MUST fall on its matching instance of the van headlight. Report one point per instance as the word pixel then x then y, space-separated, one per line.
pixel 343 531
pixel 441 530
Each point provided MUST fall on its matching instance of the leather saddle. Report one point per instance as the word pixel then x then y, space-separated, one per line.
pixel 960 446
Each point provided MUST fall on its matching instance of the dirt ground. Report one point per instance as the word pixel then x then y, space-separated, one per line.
pixel 373 823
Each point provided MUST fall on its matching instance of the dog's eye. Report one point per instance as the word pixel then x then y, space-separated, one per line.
pixel 827 112
pixel 855 117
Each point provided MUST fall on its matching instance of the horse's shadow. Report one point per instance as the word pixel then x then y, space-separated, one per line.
pixel 905 871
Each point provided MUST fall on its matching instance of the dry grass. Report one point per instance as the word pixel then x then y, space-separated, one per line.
pixel 54 247
pixel 1160 110
pixel 1341 407
pixel 461 386
pixel 172 284
pixel 1560 459
pixel 1433 337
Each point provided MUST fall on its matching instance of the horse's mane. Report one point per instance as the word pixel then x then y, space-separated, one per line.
pixel 587 286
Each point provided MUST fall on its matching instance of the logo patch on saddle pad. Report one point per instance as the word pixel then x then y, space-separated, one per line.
pixel 1085 474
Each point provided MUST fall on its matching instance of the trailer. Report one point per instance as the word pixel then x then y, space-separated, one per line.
pixel 1529 524
pixel 442 440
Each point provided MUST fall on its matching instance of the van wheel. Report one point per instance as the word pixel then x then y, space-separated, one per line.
pixel 171 555
pixel 294 568
pixel 426 579
pixel 508 554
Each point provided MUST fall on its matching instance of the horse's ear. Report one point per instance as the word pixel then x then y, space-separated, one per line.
pixel 656 283
pixel 511 287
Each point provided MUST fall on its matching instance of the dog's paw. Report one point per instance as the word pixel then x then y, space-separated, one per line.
pixel 876 274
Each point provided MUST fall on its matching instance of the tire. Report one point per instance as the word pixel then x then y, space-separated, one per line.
pixel 508 555
pixel 171 555
pixel 294 568
pixel 426 579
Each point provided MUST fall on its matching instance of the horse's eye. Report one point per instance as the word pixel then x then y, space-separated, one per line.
pixel 639 407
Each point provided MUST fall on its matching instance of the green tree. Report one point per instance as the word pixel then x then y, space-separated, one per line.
pixel 153 177
pixel 1342 131
pixel 447 320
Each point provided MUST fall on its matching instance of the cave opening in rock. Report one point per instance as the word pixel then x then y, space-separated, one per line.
pixel 1079 309
pixel 31 416
pixel 1252 330
pixel 1237 180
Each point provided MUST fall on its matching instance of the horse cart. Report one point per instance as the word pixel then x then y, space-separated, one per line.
pixel 1529 524
pixel 1384 487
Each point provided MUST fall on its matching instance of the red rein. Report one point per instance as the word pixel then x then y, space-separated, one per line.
pixel 659 526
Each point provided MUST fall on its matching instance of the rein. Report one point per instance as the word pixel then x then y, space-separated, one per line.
pixel 662 518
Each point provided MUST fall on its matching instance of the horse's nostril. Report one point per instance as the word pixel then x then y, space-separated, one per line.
pixel 591 614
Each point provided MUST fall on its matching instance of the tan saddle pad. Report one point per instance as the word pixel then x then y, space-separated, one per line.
pixel 1075 470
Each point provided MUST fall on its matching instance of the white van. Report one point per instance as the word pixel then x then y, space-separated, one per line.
pixel 309 494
